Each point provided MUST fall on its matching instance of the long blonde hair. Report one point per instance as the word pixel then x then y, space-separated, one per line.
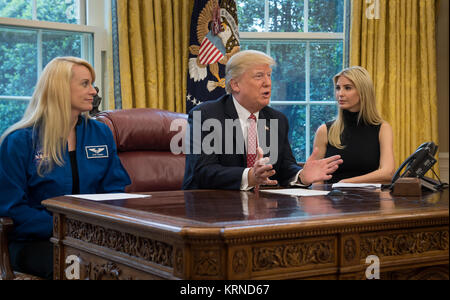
pixel 49 111
pixel 368 112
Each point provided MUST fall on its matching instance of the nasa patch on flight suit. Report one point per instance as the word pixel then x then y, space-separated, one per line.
pixel 97 151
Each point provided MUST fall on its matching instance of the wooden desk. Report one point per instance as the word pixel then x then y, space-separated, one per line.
pixel 240 235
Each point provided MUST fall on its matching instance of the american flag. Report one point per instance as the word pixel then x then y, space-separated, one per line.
pixel 209 53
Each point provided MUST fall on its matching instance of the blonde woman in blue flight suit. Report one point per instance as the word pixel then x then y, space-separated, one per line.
pixel 56 149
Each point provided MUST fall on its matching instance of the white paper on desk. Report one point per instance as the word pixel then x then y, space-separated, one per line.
pixel 106 197
pixel 356 185
pixel 296 192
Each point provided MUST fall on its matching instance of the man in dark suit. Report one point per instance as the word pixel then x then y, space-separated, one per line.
pixel 220 153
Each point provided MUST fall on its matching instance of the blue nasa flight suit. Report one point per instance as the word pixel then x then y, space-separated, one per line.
pixel 22 190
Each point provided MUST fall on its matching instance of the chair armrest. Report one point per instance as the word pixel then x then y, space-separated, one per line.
pixel 5 267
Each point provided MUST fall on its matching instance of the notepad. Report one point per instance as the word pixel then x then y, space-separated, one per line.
pixel 296 192
pixel 112 196
pixel 356 185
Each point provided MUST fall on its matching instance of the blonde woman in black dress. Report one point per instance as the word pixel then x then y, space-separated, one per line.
pixel 359 134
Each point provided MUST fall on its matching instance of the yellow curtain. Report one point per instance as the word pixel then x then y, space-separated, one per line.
pixel 153 52
pixel 395 41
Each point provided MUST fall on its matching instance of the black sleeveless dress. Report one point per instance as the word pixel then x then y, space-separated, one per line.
pixel 361 154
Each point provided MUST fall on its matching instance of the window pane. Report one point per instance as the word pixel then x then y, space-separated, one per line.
pixel 254 45
pixel 320 114
pixel 326 60
pixel 296 115
pixel 58 43
pixel 18 57
pixel 286 15
pixel 67 11
pixel 21 9
pixel 11 111
pixel 251 15
pixel 289 74
pixel 326 16
pixel 288 77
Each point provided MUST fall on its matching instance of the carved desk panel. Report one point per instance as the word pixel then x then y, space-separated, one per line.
pixel 243 235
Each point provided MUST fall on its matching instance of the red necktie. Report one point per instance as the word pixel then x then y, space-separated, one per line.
pixel 251 141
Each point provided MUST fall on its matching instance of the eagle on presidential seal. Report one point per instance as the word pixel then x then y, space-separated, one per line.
pixel 218 40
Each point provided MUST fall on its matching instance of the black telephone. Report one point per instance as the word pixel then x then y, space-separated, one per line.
pixel 419 163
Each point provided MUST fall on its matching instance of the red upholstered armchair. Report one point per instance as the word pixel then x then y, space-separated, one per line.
pixel 143 140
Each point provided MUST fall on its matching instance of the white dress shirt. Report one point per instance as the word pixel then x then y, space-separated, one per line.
pixel 243 115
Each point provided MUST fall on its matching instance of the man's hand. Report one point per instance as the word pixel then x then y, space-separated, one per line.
pixel 319 169
pixel 261 171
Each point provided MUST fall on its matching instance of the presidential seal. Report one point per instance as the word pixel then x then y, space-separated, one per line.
pixel 218 40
